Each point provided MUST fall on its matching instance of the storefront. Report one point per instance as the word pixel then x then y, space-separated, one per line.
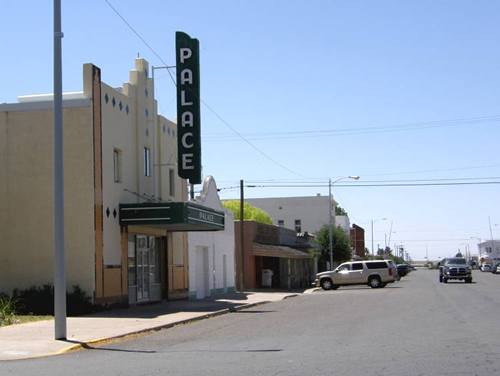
pixel 151 230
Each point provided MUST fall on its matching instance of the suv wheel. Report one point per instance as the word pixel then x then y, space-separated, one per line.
pixel 445 280
pixel 468 280
pixel 374 282
pixel 326 284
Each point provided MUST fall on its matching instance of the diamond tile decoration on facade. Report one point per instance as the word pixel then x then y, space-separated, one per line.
pixel 146 92
pixel 113 102
pixel 107 212
pixel 146 112
pixel 120 105
pixel 106 98
pixel 114 213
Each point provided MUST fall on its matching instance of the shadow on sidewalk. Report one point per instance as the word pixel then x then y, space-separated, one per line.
pixel 230 301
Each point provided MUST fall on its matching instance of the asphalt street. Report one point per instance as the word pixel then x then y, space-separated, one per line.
pixel 417 326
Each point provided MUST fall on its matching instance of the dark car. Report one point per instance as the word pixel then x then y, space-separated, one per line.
pixel 455 268
pixel 403 269
pixel 496 268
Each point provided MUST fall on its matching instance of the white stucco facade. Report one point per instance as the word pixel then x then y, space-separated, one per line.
pixel 211 254
pixel 306 213
pixel 489 251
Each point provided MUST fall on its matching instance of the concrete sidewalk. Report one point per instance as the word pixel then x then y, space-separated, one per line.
pixel 35 339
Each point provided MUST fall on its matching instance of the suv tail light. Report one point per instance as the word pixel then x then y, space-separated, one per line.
pixel 390 271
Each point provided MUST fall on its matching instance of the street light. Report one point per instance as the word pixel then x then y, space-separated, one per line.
pixel 332 217
pixel 373 221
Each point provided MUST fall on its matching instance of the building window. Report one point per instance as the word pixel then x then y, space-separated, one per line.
pixel 281 223
pixel 117 165
pixel 298 225
pixel 147 162
pixel 171 181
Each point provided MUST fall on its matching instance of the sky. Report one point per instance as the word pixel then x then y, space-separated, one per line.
pixel 297 92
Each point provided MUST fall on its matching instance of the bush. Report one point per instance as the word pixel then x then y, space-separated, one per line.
pixel 7 310
pixel 40 301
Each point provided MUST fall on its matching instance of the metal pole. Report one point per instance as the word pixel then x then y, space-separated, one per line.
pixel 372 239
pixel 242 242
pixel 491 234
pixel 330 229
pixel 59 267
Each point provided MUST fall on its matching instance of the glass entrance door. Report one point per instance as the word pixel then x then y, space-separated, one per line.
pixel 143 266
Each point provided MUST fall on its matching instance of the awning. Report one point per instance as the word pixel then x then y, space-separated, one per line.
pixel 282 251
pixel 172 216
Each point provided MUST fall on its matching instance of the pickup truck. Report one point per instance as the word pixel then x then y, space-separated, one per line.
pixel 455 268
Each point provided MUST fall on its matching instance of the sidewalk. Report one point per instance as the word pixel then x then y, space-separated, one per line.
pixel 35 339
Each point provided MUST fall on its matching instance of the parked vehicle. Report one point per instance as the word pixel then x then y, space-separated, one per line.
pixel 455 268
pixel 394 268
pixel 403 269
pixel 376 274
pixel 486 268
pixel 496 269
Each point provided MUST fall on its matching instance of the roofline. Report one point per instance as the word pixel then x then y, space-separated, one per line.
pixel 43 105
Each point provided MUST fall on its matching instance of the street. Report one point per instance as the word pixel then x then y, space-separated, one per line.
pixel 414 327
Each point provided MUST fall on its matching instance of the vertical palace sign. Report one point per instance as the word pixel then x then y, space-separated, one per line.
pixel 188 107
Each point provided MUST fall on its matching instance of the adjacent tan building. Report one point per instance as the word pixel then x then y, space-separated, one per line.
pixel 119 171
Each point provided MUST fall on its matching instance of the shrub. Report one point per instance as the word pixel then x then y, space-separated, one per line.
pixel 7 310
pixel 40 301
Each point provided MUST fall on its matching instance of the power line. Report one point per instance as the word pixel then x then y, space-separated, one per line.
pixel 434 170
pixel 363 130
pixel 379 181
pixel 248 142
pixel 143 40
pixel 369 185
pixel 202 101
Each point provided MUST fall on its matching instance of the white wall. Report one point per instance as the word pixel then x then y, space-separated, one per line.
pixel 313 212
pixel 218 244
pixel 490 250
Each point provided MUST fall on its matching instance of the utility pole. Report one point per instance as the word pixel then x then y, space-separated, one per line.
pixel 242 242
pixel 372 239
pixel 331 220
pixel 59 267
pixel 491 234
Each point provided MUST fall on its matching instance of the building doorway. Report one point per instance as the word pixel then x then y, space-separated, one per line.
pixel 144 269
pixel 202 275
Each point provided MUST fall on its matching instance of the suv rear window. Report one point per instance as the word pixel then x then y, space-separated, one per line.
pixel 376 265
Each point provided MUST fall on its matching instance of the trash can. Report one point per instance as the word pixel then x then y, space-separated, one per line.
pixel 267 277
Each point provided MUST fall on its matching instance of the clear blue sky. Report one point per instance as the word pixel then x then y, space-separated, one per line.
pixel 295 66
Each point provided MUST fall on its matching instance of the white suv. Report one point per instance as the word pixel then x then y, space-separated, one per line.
pixel 376 273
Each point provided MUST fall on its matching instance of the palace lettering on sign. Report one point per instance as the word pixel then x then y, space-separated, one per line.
pixel 188 107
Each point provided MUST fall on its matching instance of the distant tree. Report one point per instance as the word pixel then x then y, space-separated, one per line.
pixel 340 210
pixel 341 246
pixel 250 212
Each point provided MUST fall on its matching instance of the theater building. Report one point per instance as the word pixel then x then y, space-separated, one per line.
pixel 127 216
